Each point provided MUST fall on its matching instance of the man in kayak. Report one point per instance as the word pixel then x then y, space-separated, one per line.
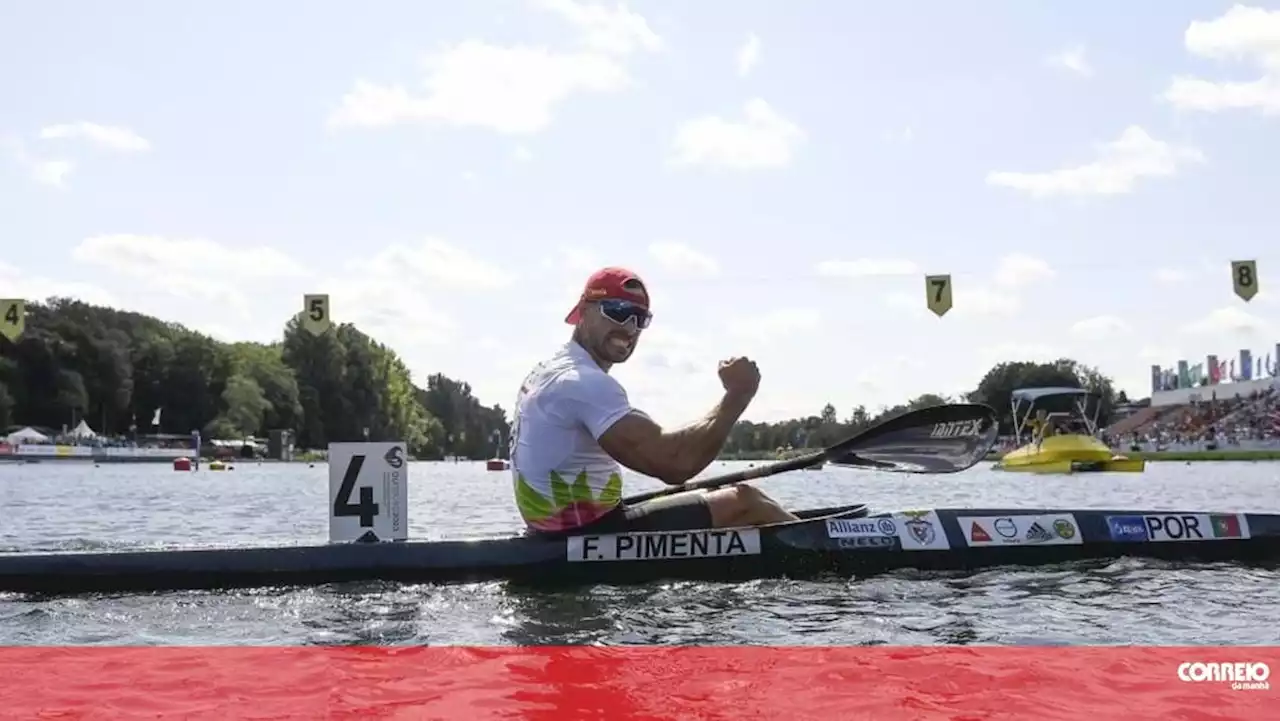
pixel 574 429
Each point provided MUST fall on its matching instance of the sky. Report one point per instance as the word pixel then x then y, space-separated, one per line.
pixel 783 176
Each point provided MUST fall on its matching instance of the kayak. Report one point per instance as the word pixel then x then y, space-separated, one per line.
pixel 827 542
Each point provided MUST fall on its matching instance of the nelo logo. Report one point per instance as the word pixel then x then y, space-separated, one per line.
pixel 1241 676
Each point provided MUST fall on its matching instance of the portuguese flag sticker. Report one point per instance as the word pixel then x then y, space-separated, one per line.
pixel 1225 526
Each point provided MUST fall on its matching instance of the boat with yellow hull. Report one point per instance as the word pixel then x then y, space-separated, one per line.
pixel 1069 453
pixel 1049 452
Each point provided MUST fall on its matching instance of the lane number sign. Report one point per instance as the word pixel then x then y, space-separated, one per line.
pixel 368 492
pixel 1244 278
pixel 315 314
pixel 13 318
pixel 937 290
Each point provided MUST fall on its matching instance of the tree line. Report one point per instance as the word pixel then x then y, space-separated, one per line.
pixel 115 368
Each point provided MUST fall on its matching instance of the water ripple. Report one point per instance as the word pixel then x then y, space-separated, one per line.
pixel 1131 601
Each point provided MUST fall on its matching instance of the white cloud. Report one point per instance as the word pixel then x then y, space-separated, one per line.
pixel 748 55
pixel 104 136
pixel 911 303
pixel 776 324
pixel 981 300
pixel 995 296
pixel 967 300
pixel 1099 327
pixel 764 139
pixel 1242 33
pixel 573 258
pixel 51 172
pixel 145 255
pixel 865 267
pixel 514 90
pixel 434 259
pixel 397 295
pixel 904 135
pixel 681 258
pixel 1227 319
pixel 510 90
pixel 1018 270
pixel 616 30
pixel 392 308
pixel 1121 163
pixel 1072 60
pixel 1159 354
pixel 38 288
pixel 522 154
pixel 1170 275
pixel 188 267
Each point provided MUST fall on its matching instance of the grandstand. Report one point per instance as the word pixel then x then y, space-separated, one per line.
pixel 1206 405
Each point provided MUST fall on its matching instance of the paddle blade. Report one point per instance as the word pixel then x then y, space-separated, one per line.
pixel 940 439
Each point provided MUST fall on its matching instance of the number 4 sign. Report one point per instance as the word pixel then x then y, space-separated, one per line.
pixel 368 492
pixel 13 318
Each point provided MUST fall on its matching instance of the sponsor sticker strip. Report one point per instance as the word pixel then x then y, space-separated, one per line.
pixel 915 531
pixel 1166 527
pixel 1041 529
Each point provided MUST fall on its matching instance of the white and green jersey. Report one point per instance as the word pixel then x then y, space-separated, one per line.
pixel 563 478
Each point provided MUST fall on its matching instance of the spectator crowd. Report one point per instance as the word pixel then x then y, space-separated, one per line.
pixel 1216 423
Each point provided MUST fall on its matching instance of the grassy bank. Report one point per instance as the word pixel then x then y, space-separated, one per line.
pixel 1218 455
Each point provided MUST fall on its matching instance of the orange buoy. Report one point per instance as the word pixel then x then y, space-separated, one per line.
pixel 497 464
pixel 182 464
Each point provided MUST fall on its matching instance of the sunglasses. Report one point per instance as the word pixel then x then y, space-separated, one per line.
pixel 624 311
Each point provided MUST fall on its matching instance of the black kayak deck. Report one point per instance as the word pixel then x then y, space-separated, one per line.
pixel 843 541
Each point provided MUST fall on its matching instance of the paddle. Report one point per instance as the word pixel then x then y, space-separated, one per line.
pixel 938 439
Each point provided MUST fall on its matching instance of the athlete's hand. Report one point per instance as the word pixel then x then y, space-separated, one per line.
pixel 740 376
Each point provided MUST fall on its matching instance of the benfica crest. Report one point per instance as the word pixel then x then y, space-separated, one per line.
pixel 920 529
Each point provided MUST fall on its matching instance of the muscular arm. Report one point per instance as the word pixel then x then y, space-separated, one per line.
pixel 675 456
pixel 600 404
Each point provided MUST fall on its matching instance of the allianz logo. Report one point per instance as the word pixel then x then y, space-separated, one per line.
pixel 847 527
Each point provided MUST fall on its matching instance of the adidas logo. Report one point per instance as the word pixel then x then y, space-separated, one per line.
pixel 1038 533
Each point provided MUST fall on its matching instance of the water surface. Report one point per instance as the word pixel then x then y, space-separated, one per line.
pixel 75 506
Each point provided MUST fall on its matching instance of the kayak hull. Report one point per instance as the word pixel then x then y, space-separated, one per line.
pixel 842 542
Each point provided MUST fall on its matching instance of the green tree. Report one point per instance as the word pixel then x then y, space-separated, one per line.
pixel 116 368
pixel 997 386
pixel 245 406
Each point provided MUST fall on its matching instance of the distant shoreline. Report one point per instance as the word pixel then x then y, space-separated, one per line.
pixel 757 456
pixel 1155 456
pixel 1215 455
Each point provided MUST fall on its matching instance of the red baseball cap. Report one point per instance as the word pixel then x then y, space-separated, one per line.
pixel 613 283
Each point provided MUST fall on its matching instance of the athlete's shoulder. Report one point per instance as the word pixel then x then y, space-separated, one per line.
pixel 572 365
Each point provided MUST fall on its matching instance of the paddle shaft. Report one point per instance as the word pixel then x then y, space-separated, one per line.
pixel 770 469
pixel 923 416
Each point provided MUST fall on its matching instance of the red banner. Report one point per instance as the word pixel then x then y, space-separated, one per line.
pixel 641 683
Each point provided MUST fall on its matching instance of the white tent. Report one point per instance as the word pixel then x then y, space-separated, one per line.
pixel 26 435
pixel 83 431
